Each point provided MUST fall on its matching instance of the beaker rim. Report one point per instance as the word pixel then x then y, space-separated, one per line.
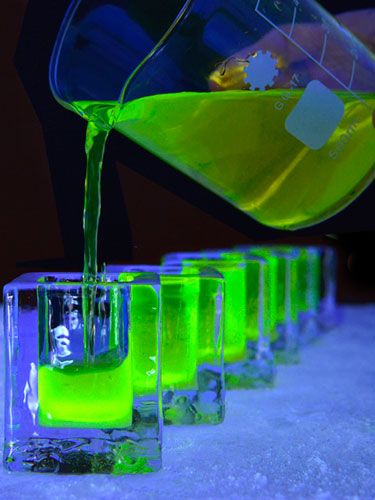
pixel 161 38
pixel 162 41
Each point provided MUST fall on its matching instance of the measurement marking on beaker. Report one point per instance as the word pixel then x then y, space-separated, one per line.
pixel 302 49
pixel 294 20
pixel 324 48
pixel 353 72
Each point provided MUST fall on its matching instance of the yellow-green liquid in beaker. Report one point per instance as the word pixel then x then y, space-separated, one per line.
pixel 235 143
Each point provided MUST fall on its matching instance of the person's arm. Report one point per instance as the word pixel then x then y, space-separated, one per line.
pixel 362 24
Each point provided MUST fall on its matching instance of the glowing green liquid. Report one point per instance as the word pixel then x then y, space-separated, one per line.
pixel 309 280
pixel 95 146
pixel 95 393
pixel 305 282
pixel 283 281
pixel 235 314
pixel 209 339
pixel 270 297
pixel 179 324
pixel 143 325
pixel 274 292
pixel 99 397
pixel 287 290
pixel 179 299
pixel 261 298
pixel 253 296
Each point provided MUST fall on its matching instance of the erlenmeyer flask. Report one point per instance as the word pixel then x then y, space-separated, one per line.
pixel 269 104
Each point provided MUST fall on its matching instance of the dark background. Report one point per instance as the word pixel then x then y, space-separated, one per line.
pixel 148 207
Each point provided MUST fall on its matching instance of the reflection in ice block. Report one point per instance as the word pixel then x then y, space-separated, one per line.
pixel 73 405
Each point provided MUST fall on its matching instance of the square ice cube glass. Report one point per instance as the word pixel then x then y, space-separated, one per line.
pixel 71 402
pixel 283 299
pixel 192 363
pixel 247 356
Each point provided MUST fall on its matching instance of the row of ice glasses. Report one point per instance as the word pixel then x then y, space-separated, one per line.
pixel 165 342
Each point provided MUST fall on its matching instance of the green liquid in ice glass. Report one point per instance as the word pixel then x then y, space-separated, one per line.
pixel 293 290
pixel 291 278
pixel 179 320
pixel 306 269
pixel 209 346
pixel 252 270
pixel 270 297
pixel 253 291
pixel 262 298
pixel 309 280
pixel 143 322
pixel 235 143
pixel 316 279
pixel 179 303
pixel 274 293
pixel 209 337
pixel 303 280
pixel 234 309
pixel 86 396
pixel 95 393
pixel 287 290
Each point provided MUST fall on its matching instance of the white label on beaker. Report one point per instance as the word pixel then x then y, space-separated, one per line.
pixel 316 116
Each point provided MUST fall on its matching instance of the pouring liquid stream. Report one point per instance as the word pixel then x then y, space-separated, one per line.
pixel 96 138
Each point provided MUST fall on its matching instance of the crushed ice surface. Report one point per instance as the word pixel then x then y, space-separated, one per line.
pixel 313 436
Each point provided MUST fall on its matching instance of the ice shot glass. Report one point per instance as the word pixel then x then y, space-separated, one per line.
pixel 329 314
pixel 192 366
pixel 259 318
pixel 309 292
pixel 72 402
pixel 248 359
pixel 284 300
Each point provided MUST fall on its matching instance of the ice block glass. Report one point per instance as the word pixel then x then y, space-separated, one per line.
pixel 72 404
pixel 260 364
pixel 248 362
pixel 192 370
pixel 309 292
pixel 271 283
pixel 284 334
pixel 308 288
pixel 329 315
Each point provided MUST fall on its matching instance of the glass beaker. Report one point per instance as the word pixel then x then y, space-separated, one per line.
pixel 270 104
